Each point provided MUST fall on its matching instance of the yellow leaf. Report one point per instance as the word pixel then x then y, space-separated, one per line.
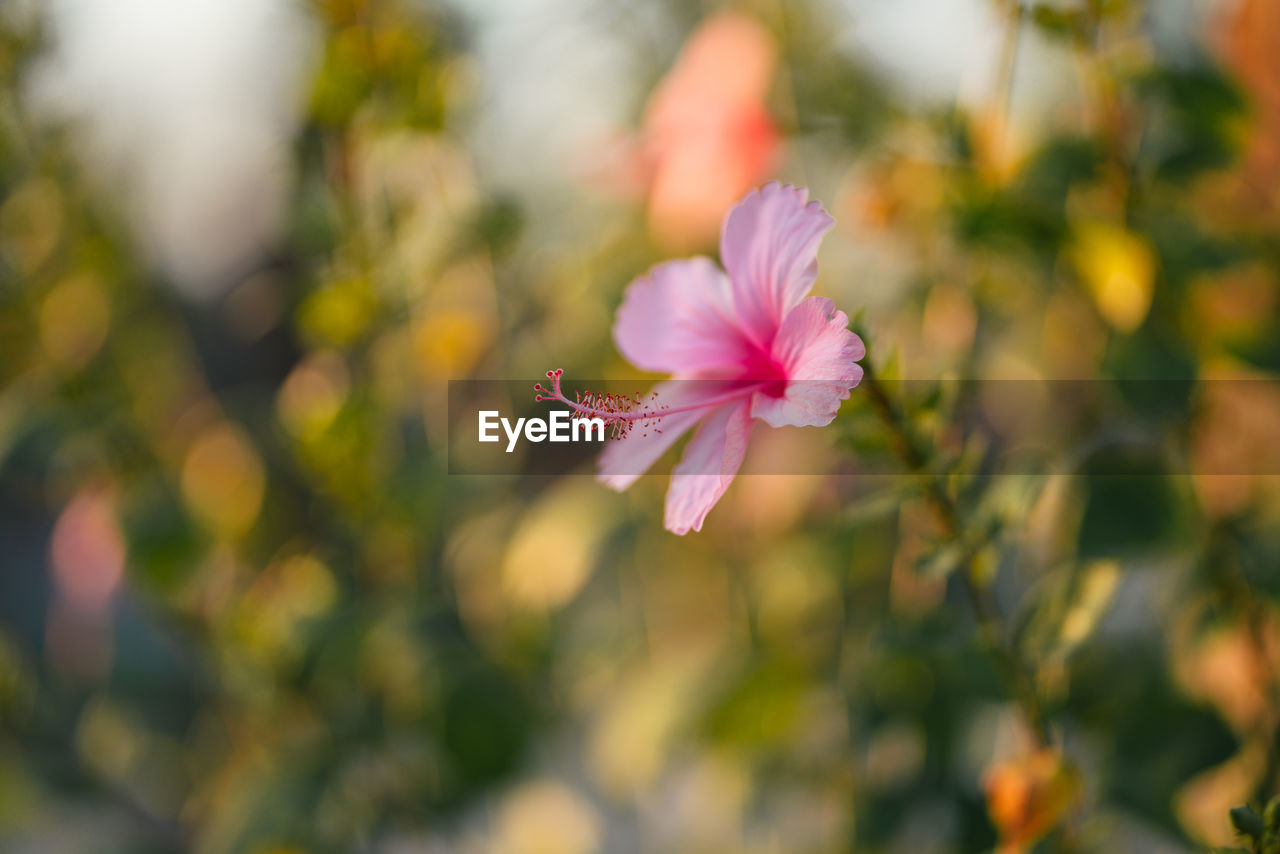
pixel 1118 269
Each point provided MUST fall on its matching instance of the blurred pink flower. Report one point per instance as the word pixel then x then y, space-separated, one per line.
pixel 740 346
pixel 87 550
pixel 707 136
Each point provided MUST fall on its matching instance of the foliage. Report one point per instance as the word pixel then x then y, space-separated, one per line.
pixel 1022 597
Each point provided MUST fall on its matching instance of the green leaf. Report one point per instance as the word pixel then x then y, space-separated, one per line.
pixel 1247 823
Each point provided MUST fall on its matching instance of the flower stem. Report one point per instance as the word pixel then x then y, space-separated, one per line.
pixel 986 609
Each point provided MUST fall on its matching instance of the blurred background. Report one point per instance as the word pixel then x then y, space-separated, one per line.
pixel 245 608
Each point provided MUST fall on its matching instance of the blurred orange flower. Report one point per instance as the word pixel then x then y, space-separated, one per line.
pixel 1250 45
pixel 707 136
pixel 1027 796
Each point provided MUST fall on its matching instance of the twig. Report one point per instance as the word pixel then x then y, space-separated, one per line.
pixel 1003 93
pixel 985 608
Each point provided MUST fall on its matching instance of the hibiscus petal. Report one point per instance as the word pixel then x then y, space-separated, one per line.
pixel 711 459
pixel 819 355
pixel 623 460
pixel 679 318
pixel 769 246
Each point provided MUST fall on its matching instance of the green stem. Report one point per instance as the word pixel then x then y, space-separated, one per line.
pixel 986 609
pixel 1008 65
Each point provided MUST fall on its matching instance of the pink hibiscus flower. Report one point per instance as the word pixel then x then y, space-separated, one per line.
pixel 741 344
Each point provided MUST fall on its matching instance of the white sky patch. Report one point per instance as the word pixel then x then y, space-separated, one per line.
pixel 186 111
pixel 943 52
pixel 932 50
pixel 560 78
